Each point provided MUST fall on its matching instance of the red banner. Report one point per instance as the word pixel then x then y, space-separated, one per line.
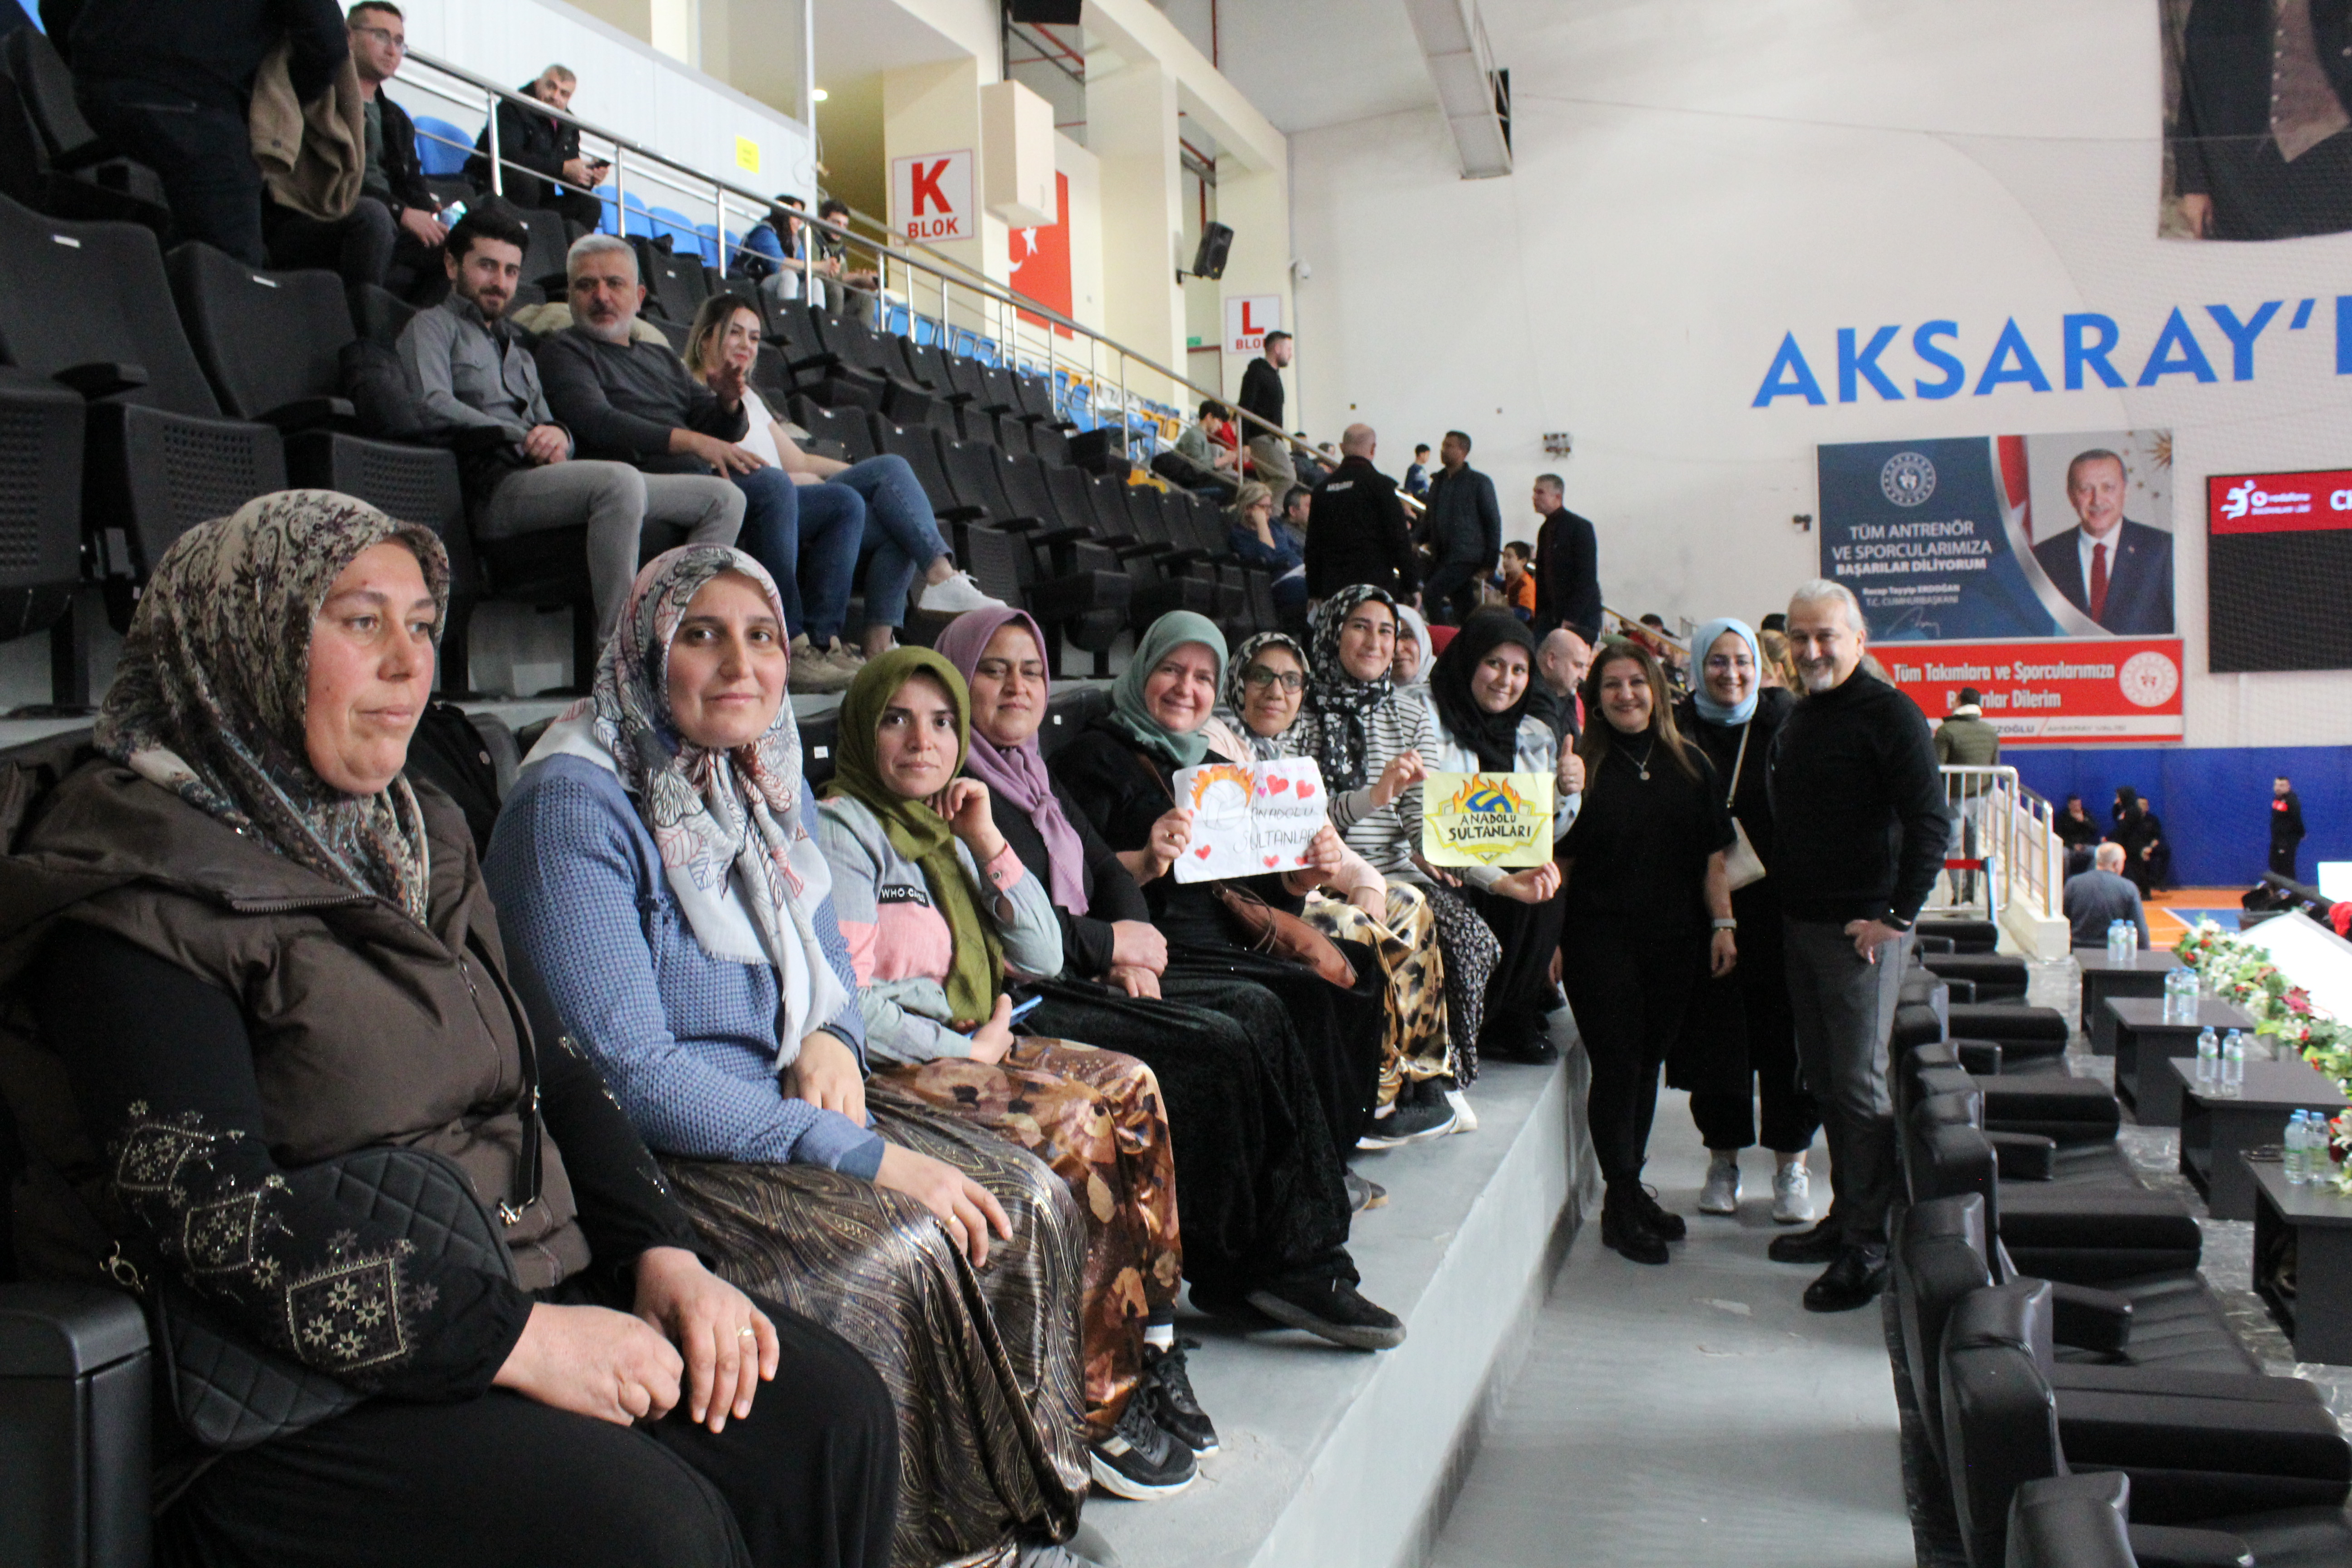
pixel 1041 261
pixel 2048 693
pixel 2313 501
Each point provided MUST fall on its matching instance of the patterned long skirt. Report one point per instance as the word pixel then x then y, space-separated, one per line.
pixel 982 1364
pixel 1096 1118
pixel 1413 1042
pixel 1472 954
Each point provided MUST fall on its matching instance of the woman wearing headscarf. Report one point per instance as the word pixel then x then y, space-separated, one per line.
pixel 262 964
pixel 1416 656
pixel 655 865
pixel 1649 915
pixel 2138 830
pixel 1260 1189
pixel 1738 1044
pixel 1478 694
pixel 1373 743
pixel 937 909
pixel 1265 683
pixel 1120 770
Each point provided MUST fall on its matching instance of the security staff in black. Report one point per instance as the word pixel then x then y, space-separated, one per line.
pixel 1355 529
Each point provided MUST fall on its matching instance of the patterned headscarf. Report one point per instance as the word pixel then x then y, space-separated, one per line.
pixel 976 958
pixel 1018 777
pixel 209 699
pixel 1128 712
pixel 1263 748
pixel 1410 624
pixel 1337 702
pixel 728 824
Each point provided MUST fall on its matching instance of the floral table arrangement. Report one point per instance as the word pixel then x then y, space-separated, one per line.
pixel 2238 970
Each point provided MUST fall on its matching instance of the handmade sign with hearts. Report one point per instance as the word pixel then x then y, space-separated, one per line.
pixel 1249 819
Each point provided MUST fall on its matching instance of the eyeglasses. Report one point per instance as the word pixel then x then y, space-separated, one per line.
pixel 1261 677
pixel 387 37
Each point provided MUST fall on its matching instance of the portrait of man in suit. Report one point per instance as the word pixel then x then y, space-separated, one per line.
pixel 2115 571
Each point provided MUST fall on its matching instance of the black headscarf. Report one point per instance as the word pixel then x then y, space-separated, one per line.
pixel 1493 736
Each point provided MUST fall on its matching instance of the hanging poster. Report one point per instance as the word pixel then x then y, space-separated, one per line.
pixel 1485 819
pixel 1249 818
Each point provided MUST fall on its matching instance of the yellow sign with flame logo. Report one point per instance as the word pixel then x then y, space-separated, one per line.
pixel 1485 819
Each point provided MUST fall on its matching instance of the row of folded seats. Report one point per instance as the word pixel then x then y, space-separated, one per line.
pixel 2082 1394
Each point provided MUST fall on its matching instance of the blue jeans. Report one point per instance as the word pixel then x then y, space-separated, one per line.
pixel 901 535
pixel 807 537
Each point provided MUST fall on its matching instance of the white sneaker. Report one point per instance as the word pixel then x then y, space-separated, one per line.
pixel 1464 1118
pixel 953 595
pixel 1792 1197
pixel 1721 1194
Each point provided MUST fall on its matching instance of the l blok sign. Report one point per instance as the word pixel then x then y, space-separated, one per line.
pixel 1248 319
pixel 931 196
pixel 2053 693
pixel 1249 819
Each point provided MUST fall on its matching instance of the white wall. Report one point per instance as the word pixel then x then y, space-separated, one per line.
pixel 1697 178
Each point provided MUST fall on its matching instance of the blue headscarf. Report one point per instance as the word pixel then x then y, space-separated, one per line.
pixel 1711 710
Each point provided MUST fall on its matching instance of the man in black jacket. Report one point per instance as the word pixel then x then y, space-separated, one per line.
pixel 392 235
pixel 544 168
pixel 168 83
pixel 2286 826
pixel 1464 531
pixel 1262 395
pixel 1858 809
pixel 1356 529
pixel 1568 562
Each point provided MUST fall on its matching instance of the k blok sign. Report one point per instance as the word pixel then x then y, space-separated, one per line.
pixel 1248 319
pixel 2049 693
pixel 931 196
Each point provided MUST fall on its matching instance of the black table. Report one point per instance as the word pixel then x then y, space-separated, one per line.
pixel 2303 1263
pixel 2141 974
pixel 2216 1130
pixel 2141 1035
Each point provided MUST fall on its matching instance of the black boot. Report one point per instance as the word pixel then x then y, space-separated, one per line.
pixel 1624 1230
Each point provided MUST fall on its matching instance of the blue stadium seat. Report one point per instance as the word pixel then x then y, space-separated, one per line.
pixel 441 147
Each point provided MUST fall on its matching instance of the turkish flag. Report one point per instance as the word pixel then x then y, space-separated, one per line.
pixel 1041 261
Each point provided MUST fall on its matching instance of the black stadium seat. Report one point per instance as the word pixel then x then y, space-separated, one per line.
pixel 40 503
pixel 674 284
pixel 78 176
pixel 543 259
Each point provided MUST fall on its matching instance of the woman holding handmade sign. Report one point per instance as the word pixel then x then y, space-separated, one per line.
pixel 936 906
pixel 1738 1046
pixel 1122 771
pixel 1477 694
pixel 1646 876
pixel 1266 681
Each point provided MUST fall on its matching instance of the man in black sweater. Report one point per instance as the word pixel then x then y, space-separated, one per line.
pixel 1262 395
pixel 1858 811
pixel 2286 826
pixel 1568 562
pixel 1464 531
pixel 169 82
pixel 1355 527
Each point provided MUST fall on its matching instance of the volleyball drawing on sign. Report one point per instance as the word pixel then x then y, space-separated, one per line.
pixel 930 196
pixel 1485 819
pixel 1249 820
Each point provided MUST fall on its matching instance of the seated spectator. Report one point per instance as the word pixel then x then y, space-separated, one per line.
pixel 542 165
pixel 1514 584
pixel 2074 826
pixel 1561 660
pixel 832 254
pixel 2094 899
pixel 1415 652
pixel 170 84
pixel 1210 443
pixel 1261 1188
pixel 940 912
pixel 292 959
pixel 770 255
pixel 469 372
pixel 655 864
pixel 633 401
pixel 1266 681
pixel 2147 855
pixel 393 235
pixel 1120 770
pixel 900 535
pixel 1250 534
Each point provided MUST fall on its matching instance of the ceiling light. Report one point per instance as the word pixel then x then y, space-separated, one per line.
pixel 821 95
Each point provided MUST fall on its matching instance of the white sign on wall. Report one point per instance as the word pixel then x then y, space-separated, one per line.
pixel 931 196
pixel 1248 319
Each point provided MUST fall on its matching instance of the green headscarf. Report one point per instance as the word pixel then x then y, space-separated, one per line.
pixel 1169 632
pixel 976 965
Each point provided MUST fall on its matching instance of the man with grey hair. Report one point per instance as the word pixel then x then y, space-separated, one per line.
pixel 1355 529
pixel 543 166
pixel 2097 897
pixel 1858 813
pixel 1568 563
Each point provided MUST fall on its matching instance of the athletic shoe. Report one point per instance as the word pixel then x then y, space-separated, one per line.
pixel 1721 1194
pixel 953 595
pixel 813 674
pixel 1045 1554
pixel 1364 1195
pixel 1169 1387
pixel 1141 1458
pixel 1792 1197
pixel 1855 1280
pixel 1464 1118
pixel 842 654
pixel 1331 1309
pixel 1665 1221
pixel 1626 1232
pixel 1818 1245
pixel 1420 1111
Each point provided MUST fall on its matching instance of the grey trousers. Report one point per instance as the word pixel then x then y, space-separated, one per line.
pixel 615 501
pixel 1276 470
pixel 1844 1008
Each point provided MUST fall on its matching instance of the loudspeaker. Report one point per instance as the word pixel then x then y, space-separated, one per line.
pixel 1209 261
pixel 1053 13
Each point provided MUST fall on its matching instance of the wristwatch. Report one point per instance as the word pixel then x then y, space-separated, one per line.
pixel 1727 923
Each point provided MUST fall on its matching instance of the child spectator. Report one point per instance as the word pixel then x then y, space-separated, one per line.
pixel 1515 585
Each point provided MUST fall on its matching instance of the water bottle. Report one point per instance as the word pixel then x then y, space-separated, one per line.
pixel 2209 1058
pixel 2128 935
pixel 2308 1156
pixel 2292 1146
pixel 2233 1062
pixel 2181 995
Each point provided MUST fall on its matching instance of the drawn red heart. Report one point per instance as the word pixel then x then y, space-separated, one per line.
pixel 1202 851
pixel 1305 789
pixel 1273 859
pixel 1277 786
pixel 1302 859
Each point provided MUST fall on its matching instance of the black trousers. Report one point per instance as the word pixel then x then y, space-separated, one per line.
pixel 1726 1116
pixel 367 246
pixel 201 153
pixel 810 1480
pixel 2282 856
pixel 1521 983
pixel 1629 993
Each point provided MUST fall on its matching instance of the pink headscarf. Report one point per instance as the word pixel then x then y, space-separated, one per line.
pixel 1018 775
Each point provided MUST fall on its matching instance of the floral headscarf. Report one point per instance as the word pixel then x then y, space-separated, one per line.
pixel 1264 748
pixel 1017 776
pixel 728 824
pixel 210 695
pixel 1331 722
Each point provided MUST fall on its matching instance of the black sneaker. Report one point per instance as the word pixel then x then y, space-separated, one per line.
pixel 1331 1309
pixel 1665 1221
pixel 1822 1244
pixel 1141 1458
pixel 1855 1280
pixel 1624 1231
pixel 1421 1111
pixel 1170 1390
